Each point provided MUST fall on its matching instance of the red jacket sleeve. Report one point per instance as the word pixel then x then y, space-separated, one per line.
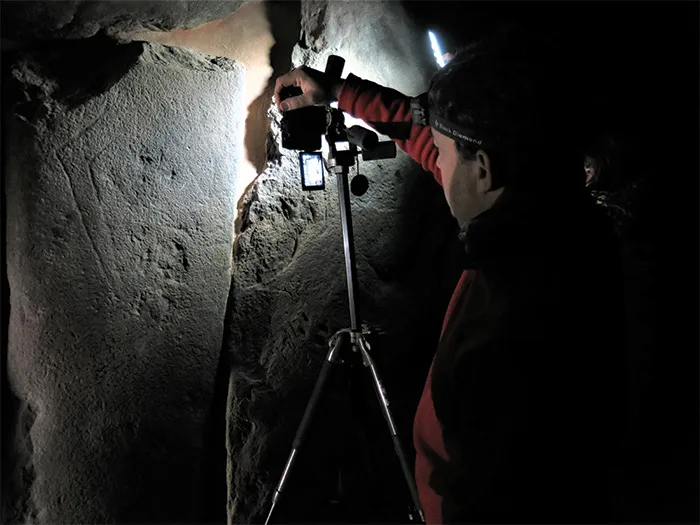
pixel 377 104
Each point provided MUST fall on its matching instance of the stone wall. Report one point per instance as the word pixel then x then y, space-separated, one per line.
pixel 26 21
pixel 119 183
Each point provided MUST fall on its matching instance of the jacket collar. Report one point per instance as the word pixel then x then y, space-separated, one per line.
pixel 520 224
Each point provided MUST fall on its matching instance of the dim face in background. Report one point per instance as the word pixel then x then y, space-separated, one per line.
pixel 590 166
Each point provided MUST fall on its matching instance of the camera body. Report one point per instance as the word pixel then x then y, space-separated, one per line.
pixel 303 129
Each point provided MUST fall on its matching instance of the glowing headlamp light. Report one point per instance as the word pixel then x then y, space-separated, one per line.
pixel 436 49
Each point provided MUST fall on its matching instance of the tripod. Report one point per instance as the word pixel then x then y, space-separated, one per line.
pixel 348 339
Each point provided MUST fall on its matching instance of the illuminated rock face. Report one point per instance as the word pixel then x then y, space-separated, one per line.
pixel 119 212
pixel 125 284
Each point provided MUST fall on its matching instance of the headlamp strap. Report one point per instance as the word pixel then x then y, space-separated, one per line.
pixel 422 117
pixel 454 131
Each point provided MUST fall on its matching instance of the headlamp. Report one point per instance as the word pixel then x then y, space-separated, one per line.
pixel 437 53
pixel 420 112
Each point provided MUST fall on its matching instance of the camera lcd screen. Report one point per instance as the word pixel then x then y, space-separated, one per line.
pixel 311 166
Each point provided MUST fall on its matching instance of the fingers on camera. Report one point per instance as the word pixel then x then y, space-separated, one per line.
pixel 288 89
pixel 294 103
pixel 280 84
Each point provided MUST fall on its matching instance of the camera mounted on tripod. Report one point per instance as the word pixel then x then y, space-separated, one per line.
pixel 303 129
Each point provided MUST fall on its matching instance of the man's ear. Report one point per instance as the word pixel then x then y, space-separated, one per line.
pixel 484 181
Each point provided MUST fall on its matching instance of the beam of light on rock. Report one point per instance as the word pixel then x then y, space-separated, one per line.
pixel 436 49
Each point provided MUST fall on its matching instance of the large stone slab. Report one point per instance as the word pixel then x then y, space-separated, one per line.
pixel 120 165
pixel 289 290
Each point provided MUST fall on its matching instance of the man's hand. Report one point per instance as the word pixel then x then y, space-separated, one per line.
pixel 315 87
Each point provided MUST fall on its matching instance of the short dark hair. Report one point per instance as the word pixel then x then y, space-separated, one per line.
pixel 504 89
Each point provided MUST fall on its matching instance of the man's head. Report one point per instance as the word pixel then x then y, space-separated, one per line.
pixel 466 178
pixel 505 95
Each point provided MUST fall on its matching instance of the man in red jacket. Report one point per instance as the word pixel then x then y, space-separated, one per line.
pixel 520 417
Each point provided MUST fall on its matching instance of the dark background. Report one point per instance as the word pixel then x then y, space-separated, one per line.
pixel 637 63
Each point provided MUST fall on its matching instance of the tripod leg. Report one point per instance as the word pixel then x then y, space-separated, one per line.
pixel 384 404
pixel 332 359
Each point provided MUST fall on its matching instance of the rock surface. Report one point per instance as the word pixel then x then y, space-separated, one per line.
pixel 119 237
pixel 77 19
pixel 289 298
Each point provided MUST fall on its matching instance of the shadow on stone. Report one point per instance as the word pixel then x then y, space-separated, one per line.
pixel 285 24
pixel 72 72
